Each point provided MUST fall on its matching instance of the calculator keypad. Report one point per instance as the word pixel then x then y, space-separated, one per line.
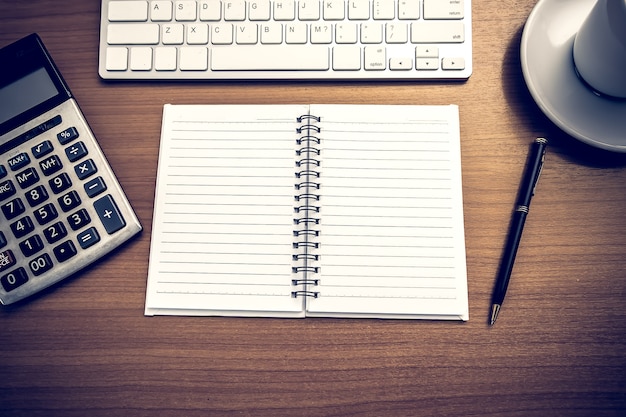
pixel 58 199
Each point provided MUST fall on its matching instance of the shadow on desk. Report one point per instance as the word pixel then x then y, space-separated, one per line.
pixel 520 99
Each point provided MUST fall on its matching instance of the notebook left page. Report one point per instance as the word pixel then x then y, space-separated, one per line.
pixel 222 230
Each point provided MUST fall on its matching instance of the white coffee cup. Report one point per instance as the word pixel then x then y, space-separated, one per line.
pixel 600 48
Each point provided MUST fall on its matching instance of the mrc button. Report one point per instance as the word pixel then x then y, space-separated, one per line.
pixel 109 214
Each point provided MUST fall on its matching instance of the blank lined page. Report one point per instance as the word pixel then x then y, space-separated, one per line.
pixel 391 233
pixel 223 218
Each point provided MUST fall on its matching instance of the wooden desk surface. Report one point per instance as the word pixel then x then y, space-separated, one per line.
pixel 84 348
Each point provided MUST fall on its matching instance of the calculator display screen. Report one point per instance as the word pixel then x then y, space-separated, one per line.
pixel 26 93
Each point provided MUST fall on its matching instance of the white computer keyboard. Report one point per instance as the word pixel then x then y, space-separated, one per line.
pixel 286 39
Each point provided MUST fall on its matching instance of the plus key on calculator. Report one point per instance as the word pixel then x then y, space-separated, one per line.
pixel 61 206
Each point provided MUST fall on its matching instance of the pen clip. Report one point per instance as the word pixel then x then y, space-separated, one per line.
pixel 536 180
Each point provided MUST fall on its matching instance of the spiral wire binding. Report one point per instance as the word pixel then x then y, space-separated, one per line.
pixel 304 221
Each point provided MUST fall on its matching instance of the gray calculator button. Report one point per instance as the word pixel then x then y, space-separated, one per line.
pixel 14 279
pixel 95 186
pixel 85 169
pixel 7 189
pixel 67 135
pixel 109 214
pixel 88 238
pixel 19 161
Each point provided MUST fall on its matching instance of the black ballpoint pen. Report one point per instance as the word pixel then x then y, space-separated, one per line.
pixel 526 192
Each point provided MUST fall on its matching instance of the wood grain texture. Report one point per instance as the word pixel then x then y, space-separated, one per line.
pixel 84 348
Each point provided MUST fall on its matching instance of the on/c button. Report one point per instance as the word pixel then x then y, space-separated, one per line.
pixel 109 214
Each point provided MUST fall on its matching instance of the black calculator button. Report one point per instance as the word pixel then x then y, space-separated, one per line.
pixel 69 201
pixel 3 171
pixel 14 279
pixel 40 264
pixel 64 251
pixel 95 186
pixel 7 189
pixel 45 214
pixel 60 183
pixel 13 208
pixel 37 195
pixel 50 165
pixel 55 232
pixel 76 151
pixel 3 240
pixel 42 149
pixel 22 227
pixel 7 260
pixel 19 161
pixel 67 135
pixel 31 246
pixel 88 238
pixel 27 177
pixel 79 219
pixel 85 169
pixel 109 214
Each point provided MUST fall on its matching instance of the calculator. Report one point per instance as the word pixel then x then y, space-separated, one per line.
pixel 61 206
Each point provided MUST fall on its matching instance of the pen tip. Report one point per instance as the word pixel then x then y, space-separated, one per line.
pixel 495 309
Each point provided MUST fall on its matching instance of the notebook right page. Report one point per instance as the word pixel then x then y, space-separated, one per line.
pixel 392 241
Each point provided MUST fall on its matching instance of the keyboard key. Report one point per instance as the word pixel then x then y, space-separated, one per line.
pixel 313 57
pixel 453 64
pixel 194 58
pixel 185 11
pixel 161 11
pixel 375 58
pixel 133 34
pixel 437 9
pixel 109 214
pixel 437 32
pixel 3 240
pixel 14 279
pixel 128 11
pixel 347 57
pixel 141 58
pixel 117 59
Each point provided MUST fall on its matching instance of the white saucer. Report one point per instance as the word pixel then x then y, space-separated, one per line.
pixel 548 67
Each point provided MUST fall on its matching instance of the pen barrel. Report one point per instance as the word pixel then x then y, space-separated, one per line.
pixel 510 250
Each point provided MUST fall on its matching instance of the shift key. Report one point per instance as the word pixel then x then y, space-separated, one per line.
pixel 133 34
pixel 109 214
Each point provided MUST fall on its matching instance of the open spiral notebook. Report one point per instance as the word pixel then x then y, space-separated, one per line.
pixel 309 210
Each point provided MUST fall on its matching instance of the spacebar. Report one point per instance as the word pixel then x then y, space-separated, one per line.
pixel 271 57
